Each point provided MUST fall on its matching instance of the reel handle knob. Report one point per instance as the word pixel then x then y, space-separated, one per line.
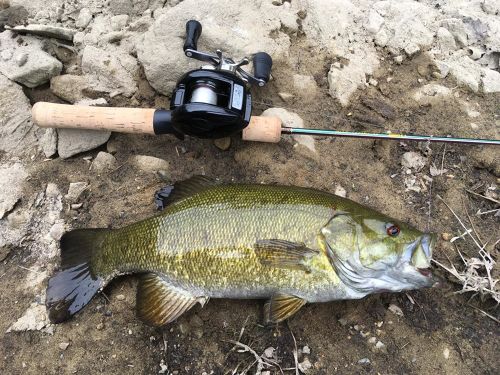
pixel 262 64
pixel 193 32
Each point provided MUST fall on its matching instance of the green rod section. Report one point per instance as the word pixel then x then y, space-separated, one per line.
pixel 389 136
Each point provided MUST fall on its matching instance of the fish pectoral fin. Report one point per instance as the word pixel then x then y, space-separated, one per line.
pixel 281 307
pixel 159 303
pixel 284 254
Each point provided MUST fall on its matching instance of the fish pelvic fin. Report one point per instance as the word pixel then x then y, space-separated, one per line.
pixel 284 254
pixel 74 285
pixel 159 303
pixel 281 306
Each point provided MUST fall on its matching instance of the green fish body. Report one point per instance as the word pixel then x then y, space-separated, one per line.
pixel 290 245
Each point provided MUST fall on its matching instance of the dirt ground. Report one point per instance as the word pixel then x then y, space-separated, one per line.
pixel 440 332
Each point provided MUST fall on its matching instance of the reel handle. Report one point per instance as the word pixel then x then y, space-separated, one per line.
pixel 262 64
pixel 193 32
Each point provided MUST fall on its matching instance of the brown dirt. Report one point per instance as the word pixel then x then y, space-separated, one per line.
pixel 436 322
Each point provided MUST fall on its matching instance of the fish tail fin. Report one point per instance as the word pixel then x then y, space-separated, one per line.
pixel 74 285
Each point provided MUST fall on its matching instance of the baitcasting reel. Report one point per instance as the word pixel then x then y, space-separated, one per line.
pixel 214 101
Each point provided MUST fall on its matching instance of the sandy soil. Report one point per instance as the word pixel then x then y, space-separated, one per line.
pixel 440 332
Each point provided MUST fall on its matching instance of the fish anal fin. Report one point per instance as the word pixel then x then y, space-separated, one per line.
pixel 284 254
pixel 159 303
pixel 281 306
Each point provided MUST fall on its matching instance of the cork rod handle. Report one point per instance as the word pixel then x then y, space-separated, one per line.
pixel 123 120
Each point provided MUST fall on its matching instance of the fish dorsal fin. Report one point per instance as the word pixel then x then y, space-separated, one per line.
pixel 284 254
pixel 186 188
pixel 159 303
pixel 281 307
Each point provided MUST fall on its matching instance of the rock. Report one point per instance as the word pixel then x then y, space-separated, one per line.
pixel 99 102
pixel 63 345
pixel 380 347
pixel 57 230
pixel 14 15
pixel 431 93
pixel 405 24
pixel 39 67
pixel 21 58
pixel 398 59
pixel 345 81
pixel 74 141
pixel 17 135
pixel 305 87
pixel 269 352
pixel 76 89
pixel 340 191
pixel 223 143
pixel 372 81
pixel 120 297
pixel 305 366
pixel 150 163
pixel 103 162
pixel 375 22
pixel 413 160
pixel 446 353
pixel 306 350
pixel 100 326
pixel 47 142
pixel 484 158
pixel 119 22
pixel 46 31
pixel 160 50
pixel 11 183
pixel 364 361
pixel 491 7
pixel 84 18
pixel 34 319
pixel 491 81
pixel 446 41
pixel 286 96
pixel 395 310
pixel 114 69
pixel 75 191
pixel 292 120
pixel 465 71
pixel 446 236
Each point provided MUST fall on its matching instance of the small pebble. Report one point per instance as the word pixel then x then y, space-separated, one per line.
pixel 306 350
pixel 100 326
pixel 446 353
pixel 63 345
pixel 446 236
pixel 120 297
pixel 395 310
pixel 305 366
pixel 269 352
pixel 364 361
pixel 223 143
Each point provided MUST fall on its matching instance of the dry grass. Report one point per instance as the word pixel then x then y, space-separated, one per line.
pixel 475 274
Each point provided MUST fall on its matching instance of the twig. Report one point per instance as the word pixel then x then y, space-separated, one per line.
pixel 484 313
pixel 295 353
pixel 479 213
pixel 472 224
pixel 482 196
pixel 29 269
pixel 260 362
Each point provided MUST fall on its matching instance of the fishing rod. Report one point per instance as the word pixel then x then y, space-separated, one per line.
pixel 211 102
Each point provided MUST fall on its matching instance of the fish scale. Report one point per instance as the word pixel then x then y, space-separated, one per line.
pixel 205 243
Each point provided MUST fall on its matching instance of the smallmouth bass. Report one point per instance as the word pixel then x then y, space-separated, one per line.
pixel 289 245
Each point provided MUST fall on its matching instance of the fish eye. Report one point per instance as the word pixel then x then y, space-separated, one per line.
pixel 392 229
